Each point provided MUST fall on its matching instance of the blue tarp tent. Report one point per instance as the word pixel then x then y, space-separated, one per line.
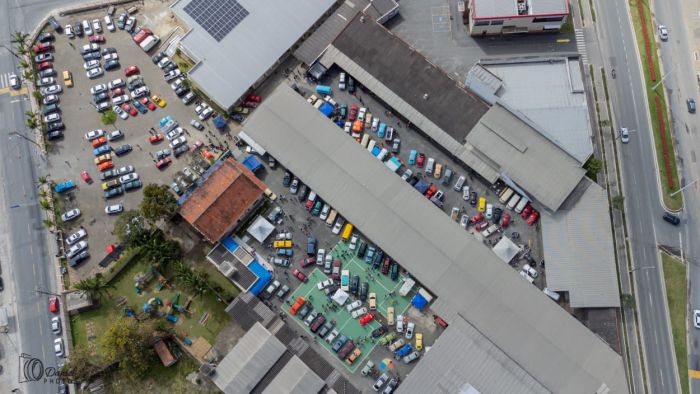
pixel 419 302
pixel 376 151
pixel 252 163
pixel 264 277
pixel 327 109
pixel 219 122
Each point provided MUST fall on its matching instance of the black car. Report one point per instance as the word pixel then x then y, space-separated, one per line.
pixel 49 72
pixel 181 91
pixel 78 29
pixel 326 329
pixel 180 150
pixel 364 289
pixel 170 67
pixel 351 85
pixel 394 271
pixel 122 150
pixel 691 105
pixel 472 201
pixel 379 331
pixel 46 37
pixel 107 51
pixel 117 191
pixel 497 212
pixel 79 258
pixel 378 257
pixel 112 65
pixel 53 126
pixel 2 284
pixel 413 180
pixel 303 192
pixel 158 57
pixel 100 97
pixel 673 219
pixel 305 310
pixel 51 108
pixel 362 250
pixel 54 135
pixel 287 179
pixel 92 56
pixel 355 284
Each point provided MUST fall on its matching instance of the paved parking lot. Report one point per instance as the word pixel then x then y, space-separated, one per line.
pixel 73 154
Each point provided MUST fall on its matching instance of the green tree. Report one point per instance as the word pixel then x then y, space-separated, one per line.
pixel 31 123
pixel 94 287
pixel 628 301
pixel 127 342
pixel 81 364
pixel 42 180
pixel 44 204
pixel 23 64
pixel 593 167
pixel 38 96
pixel 159 250
pixel 618 202
pixel 195 282
pixel 48 223
pixel 108 117
pixel 184 67
pixel 158 203
pixel 186 83
pixel 130 228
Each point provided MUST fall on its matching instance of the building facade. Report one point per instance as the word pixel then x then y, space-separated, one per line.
pixel 490 17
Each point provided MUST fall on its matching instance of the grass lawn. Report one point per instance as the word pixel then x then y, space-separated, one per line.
pixel 87 326
pixel 676 202
pixel 675 280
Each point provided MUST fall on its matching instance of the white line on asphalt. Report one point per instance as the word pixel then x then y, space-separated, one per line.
pixel 661 373
pixel 29 229
pixel 15 101
pixel 652 303
pixel 34 268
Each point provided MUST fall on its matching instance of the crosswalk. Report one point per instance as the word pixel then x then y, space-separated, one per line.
pixel 5 80
pixel 581 45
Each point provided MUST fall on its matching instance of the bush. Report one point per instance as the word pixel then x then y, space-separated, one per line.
pixel 108 117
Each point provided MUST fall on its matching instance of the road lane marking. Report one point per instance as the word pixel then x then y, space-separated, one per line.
pixel 652 304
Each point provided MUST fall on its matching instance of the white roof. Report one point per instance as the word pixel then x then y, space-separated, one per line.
pixel 340 297
pixel 506 249
pixel 261 229
pixel 523 333
pixel 228 68
pixel 504 8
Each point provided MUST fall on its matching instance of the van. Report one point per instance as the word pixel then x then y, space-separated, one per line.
pixel 390 316
pixel 371 145
pixel 438 171
pixel 68 78
pixel 482 204
pixel 513 201
pixel 382 130
pixel 521 205
pixel 382 154
pixel 149 42
pixel 347 231
pixel 505 195
pixel 318 104
pixel 389 134
pixel 429 166
pixel 365 140
pixel 324 90
pixel 459 183
pixel 447 178
pixel 331 217
pixel 489 231
pixel 552 294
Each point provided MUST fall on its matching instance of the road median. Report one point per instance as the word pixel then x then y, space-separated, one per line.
pixel 675 280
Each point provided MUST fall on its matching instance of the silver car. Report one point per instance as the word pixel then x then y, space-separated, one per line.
pixel 70 215
pixel 76 236
pixel 58 347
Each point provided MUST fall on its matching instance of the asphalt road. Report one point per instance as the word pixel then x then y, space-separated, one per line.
pixel 642 202
pixel 28 264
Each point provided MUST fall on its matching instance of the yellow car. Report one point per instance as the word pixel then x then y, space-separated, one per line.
pixel 156 99
pixel 110 184
pixel 68 79
pixel 419 341
pixel 283 244
pixel 103 158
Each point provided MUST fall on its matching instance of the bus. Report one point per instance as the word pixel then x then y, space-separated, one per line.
pixel 347 231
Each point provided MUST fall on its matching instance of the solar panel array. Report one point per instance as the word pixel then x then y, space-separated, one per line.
pixel 217 17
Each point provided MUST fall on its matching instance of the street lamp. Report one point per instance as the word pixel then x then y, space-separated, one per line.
pixel 681 189
pixel 640 268
pixel 17 133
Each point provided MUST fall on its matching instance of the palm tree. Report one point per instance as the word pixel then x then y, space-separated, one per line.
pixel 20 38
pixel 28 75
pixel 38 96
pixel 22 50
pixel 42 180
pixel 48 223
pixel 94 287
pixel 193 281
pixel 23 64
pixel 32 123
pixel 45 205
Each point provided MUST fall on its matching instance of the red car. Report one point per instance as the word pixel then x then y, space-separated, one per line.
pixel 431 190
pixel 53 304
pixel 148 103
pixel 297 305
pixel 353 113
pixel 476 218
pixel 481 225
pixel 44 66
pixel 335 274
pixel 533 218
pixel 506 220
pixel 131 71
pixel 197 144
pixel 98 39
pixel 386 265
pixel 421 160
pixel 300 275
pixel 86 177
pixel 163 163
pixel 439 321
pixel 118 92
pixel 41 48
pixel 155 138
pixel 526 212
pixel 254 98
pixel 250 104
pixel 98 142
pixel 129 109
pixel 366 319
pixel 307 261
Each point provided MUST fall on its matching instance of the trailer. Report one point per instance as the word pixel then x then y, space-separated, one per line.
pixel 407 287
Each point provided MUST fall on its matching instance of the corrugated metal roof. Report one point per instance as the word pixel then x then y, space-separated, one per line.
pixel 471 283
pixel 523 154
pixel 228 68
pixel 579 251
pixel 243 367
pixel 295 378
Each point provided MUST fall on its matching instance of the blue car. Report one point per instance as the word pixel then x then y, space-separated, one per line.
pixel 289 252
pixel 404 350
pixel 165 120
pixel 63 186
pixel 101 150
pixel 412 157
pixel 142 108
pixel 382 130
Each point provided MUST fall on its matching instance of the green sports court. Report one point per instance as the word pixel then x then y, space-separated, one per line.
pixel 387 295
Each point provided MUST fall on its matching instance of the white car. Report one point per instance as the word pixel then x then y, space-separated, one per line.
pixel 338 225
pixel 186 99
pixel 110 56
pixel 320 254
pixel 76 236
pixel 103 106
pixel 353 305
pixel 114 209
pixel 109 23
pixel 92 134
pixel 54 117
pixel 14 81
pixel 359 312
pixel 353 242
pixel 663 33
pixel 77 248
pixel 324 284
pixel 116 83
pixel 70 215
pixel 128 178
pixel 97 26
pixel 407 174
pixel 696 318
pixel 177 142
pixel 465 193
pixel 92 47
pixel 174 133
pixel 125 170
pixel 140 92
pixel 58 347
pixel 90 64
pixel 164 62
pixel 56 325
pixel 97 89
pixel 399 323
pixel 114 135
pixel 69 31
pixel 120 112
pixel 46 81
pixel 324 212
pixel 489 211
pixel 120 99
pixel 53 89
pixel 50 99
pixel 348 127
pixel 87 28
pixel 331 337
pixel 206 113
pixel 409 329
pixel 341 81
pixel 95 72
pixel 624 135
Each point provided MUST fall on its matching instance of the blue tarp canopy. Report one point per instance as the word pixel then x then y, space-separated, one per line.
pixel 219 122
pixel 376 151
pixel 252 163
pixel 327 109
pixel 264 277
pixel 419 302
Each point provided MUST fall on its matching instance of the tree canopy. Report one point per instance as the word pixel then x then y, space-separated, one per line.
pixel 158 203
pixel 131 228
pixel 127 342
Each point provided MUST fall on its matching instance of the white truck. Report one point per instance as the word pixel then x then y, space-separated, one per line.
pixel 148 43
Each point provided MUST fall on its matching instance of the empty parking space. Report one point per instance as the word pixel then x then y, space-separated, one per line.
pixel 440 17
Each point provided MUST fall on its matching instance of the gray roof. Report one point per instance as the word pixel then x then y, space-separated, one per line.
pixel 246 364
pixel 558 106
pixel 518 151
pixel 504 8
pixel 227 69
pixel 295 378
pixel 579 251
pixel 474 288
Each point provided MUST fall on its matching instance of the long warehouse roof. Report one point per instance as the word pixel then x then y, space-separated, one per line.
pixel 521 333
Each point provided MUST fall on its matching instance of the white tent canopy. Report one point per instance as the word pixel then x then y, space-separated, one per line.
pixel 340 297
pixel 506 249
pixel 261 229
